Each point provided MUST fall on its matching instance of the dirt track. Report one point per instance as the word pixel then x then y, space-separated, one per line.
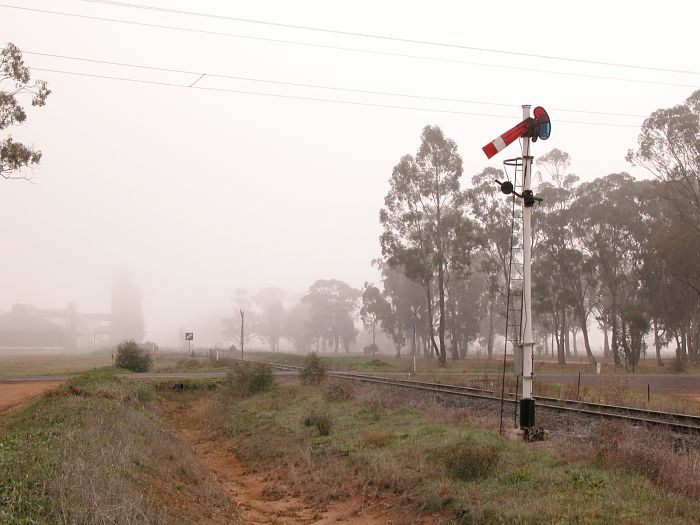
pixel 15 393
pixel 256 493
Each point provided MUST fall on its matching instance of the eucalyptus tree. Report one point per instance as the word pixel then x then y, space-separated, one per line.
pixel 403 297
pixel 669 147
pixel 606 226
pixel 270 320
pixel 15 82
pixel 424 192
pixel 374 308
pixel 568 282
pixel 493 213
pixel 296 327
pixel 332 307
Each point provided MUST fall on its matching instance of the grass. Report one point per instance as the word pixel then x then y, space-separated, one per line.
pixel 94 451
pixel 466 474
pixel 47 364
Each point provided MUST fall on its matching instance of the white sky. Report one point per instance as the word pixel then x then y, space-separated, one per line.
pixel 200 192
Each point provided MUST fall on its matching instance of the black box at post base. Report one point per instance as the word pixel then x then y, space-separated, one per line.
pixel 527 413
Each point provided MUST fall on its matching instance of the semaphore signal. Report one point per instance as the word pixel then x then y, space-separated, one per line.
pixel 534 128
pixel 529 129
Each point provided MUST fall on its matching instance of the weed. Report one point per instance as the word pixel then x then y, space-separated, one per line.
pixel 467 461
pixel 657 461
pixel 518 477
pixel 145 393
pixel 95 454
pixel 321 422
pixel 616 388
pixel 314 370
pixel 338 391
pixel 375 408
pixel 247 380
pixel 375 438
pixel 679 365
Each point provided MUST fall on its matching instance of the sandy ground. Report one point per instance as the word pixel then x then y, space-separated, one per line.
pixel 256 495
pixel 15 393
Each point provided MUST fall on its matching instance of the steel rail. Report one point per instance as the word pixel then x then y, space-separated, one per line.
pixel 657 418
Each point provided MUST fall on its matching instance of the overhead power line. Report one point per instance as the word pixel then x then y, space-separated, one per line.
pixel 201 74
pixel 350 49
pixel 388 37
pixel 313 99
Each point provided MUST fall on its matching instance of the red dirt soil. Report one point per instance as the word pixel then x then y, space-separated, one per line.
pixel 254 492
pixel 14 394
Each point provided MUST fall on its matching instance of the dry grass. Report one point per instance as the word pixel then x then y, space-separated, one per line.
pixel 670 464
pixel 431 460
pixel 339 391
pixel 376 438
pixel 96 453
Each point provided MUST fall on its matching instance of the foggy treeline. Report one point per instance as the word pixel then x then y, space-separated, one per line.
pixel 614 254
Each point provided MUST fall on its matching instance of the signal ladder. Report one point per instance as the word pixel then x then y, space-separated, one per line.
pixel 514 303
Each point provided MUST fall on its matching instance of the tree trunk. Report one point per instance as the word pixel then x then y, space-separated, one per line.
pixel 565 333
pixel 453 328
pixel 492 329
pixel 441 305
pixel 561 356
pixel 573 341
pixel 657 344
pixel 625 347
pixel 606 342
pixel 551 346
pixel 431 330
pixel 615 342
pixel 587 344
pixel 691 347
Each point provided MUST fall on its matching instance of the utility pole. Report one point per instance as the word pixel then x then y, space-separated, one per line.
pixel 242 336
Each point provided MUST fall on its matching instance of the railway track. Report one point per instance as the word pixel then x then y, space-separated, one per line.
pixel 674 421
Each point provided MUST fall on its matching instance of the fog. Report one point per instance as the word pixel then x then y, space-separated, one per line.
pixel 198 192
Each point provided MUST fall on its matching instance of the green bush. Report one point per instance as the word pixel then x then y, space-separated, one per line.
pixel 339 392
pixel 247 380
pixel 467 461
pixel 321 422
pixel 132 357
pixel 314 370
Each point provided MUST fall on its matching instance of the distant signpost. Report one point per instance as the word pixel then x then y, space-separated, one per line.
pixel 189 337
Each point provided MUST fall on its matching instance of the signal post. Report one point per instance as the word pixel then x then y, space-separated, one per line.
pixel 530 129
pixel 527 403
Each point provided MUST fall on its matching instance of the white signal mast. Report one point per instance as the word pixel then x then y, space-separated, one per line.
pixel 530 129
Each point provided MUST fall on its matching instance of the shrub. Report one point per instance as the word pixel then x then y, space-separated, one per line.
pixel 314 370
pixel 371 349
pixel 339 392
pixel 321 422
pixel 132 357
pixel 467 461
pixel 679 365
pixel 247 380
pixel 375 438
pixel 145 393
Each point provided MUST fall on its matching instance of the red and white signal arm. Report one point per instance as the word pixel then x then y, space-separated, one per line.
pixel 538 127
pixel 189 336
